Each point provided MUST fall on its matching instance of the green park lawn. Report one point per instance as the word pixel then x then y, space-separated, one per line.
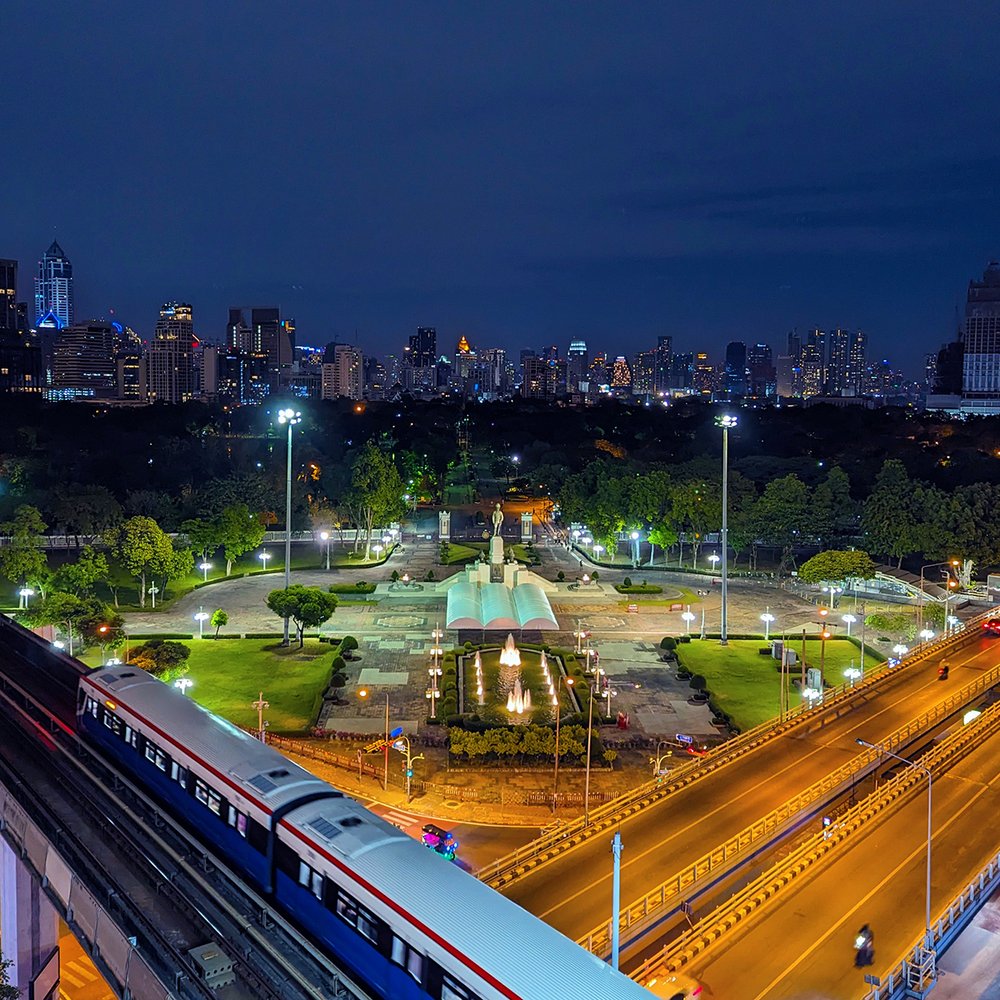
pixel 229 675
pixel 747 686
pixel 456 553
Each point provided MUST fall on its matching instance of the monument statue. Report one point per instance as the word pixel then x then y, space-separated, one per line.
pixel 497 520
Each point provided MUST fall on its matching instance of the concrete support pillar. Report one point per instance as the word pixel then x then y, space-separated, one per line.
pixel 444 525
pixel 29 924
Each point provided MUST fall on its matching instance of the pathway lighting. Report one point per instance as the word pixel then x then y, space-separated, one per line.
pixel 201 617
pixel 24 593
pixel 852 674
pixel 726 422
pixel 848 620
pixel 263 557
pixel 900 650
pixel 377 549
pixel 204 567
pixel 325 538
pixel 291 418
pixel 767 618
pixel 688 617
pixel 183 684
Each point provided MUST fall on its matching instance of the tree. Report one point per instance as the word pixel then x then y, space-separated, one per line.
pixel 142 548
pixel 163 658
pixel 23 561
pixel 218 620
pixel 203 533
pixel 154 504
pixel 376 491
pixel 174 565
pixel 307 607
pixel 889 517
pixel 239 532
pixel 782 514
pixel 834 513
pixel 99 624
pixel 82 576
pixel 85 510
pixel 7 992
pixel 837 566
pixel 67 611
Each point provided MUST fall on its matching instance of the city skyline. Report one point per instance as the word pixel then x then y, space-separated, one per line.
pixel 524 180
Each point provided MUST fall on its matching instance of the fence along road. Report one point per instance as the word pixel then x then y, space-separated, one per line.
pixel 696 878
pixel 573 891
pixel 790 934
pixel 844 698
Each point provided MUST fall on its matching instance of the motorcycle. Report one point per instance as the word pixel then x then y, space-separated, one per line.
pixel 943 671
pixel 864 947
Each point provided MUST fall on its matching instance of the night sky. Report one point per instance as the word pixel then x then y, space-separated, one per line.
pixel 522 173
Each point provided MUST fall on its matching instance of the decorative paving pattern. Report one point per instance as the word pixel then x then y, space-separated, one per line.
pixel 372 676
pixel 604 621
pixel 401 621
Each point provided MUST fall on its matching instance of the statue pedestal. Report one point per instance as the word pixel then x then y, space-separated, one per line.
pixel 496 550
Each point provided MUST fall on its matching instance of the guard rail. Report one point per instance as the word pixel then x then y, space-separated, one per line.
pixel 506 870
pixel 748 900
pixel 652 907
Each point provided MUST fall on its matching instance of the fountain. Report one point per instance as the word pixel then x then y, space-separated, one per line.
pixel 518 700
pixel 510 665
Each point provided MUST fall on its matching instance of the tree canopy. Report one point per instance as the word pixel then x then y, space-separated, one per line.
pixel 306 607
pixel 836 566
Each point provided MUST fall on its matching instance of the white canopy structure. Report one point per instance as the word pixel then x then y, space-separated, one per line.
pixel 473 605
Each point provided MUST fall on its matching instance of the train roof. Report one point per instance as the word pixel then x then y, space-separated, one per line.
pixel 258 770
pixel 523 952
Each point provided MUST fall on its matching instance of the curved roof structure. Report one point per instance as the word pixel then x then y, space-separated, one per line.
pixel 496 606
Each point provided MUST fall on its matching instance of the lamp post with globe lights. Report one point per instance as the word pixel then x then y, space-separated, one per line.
pixel 201 617
pixel 204 567
pixel 183 684
pixel 714 560
pixel 290 418
pixel 24 593
pixel 848 620
pixel 726 421
pixel 926 635
pixel 767 618
pixel 557 708
pixel 688 617
pixel 263 557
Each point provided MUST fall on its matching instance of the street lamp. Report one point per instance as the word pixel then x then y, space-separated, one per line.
pixel 590 733
pixel 153 591
pixel 325 536
pixel 767 618
pixel 726 421
pixel 635 548
pixel 24 593
pixel 434 671
pixel 714 560
pixel 291 418
pixel 402 744
pixel 363 694
pixel 926 635
pixel 183 684
pixel 201 617
pixel 900 650
pixel 598 549
pixel 377 549
pixel 848 620
pixel 930 782
pixel 557 708
pixel 204 567
pixel 688 617
pixel 263 557
pixel 852 674
pixel 945 562
pixel 260 704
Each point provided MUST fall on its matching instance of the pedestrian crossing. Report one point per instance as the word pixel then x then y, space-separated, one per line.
pixel 400 819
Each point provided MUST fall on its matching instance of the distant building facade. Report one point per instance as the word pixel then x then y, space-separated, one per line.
pixel 54 289
pixel 173 373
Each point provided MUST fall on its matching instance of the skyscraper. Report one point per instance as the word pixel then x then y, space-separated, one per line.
pixel 661 366
pixel 343 372
pixel 981 363
pixel 761 372
pixel 422 352
pixel 83 362
pixel 172 371
pixel 54 289
pixel 576 365
pixel 8 295
pixel 839 359
pixel 735 382
pixel 856 353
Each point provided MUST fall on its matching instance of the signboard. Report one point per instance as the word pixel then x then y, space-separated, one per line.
pixel 633 608
pixel 681 738
pixel 398 731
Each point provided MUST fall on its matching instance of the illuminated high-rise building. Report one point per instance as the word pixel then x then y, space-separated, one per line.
pixel 54 289
pixel 661 368
pixel 83 361
pixel 981 362
pixel 576 365
pixel 343 372
pixel 8 295
pixel 760 371
pixel 173 373
pixel 856 351
pixel 621 374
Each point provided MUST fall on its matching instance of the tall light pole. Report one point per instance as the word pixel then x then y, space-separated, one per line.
pixel 726 421
pixel 635 547
pixel 204 567
pixel 325 536
pixel 557 706
pixel 767 618
pixel 586 791
pixel 291 418
pixel 201 617
pixel 920 607
pixel 930 782
pixel 260 704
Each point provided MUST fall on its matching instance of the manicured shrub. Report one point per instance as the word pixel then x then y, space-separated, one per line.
pixel 348 643
pixel 698 682
pixel 627 582
pixel 668 642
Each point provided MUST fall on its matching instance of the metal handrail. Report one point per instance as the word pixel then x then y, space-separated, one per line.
pixel 652 905
pixel 708 931
pixel 546 848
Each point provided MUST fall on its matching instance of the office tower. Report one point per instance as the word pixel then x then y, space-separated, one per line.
pixel 856 362
pixel 375 379
pixel 643 373
pixel 661 368
pixel 621 374
pixel 703 375
pixel 422 351
pixel 813 369
pixel 542 377
pixel 83 362
pixel 761 372
pixel 788 377
pixel 598 370
pixel 981 362
pixel 682 371
pixel 8 295
pixel 839 342
pixel 173 374
pixel 465 361
pixel 239 333
pixel 735 382
pixel 130 376
pixel 265 334
pixel 496 373
pixel 794 345
pixel 343 373
pixel 525 355
pixel 54 289
pixel 576 365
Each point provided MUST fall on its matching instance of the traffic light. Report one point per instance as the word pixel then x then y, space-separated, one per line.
pixel 409 772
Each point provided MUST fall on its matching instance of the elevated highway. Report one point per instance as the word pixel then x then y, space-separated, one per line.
pixel 790 935
pixel 572 889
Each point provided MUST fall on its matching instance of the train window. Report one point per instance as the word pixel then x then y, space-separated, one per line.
pixel 367 925
pixel 151 749
pixel 311 879
pixel 92 706
pixel 108 718
pixel 408 958
pixel 238 821
pixel 161 760
pixel 201 791
pixel 117 726
pixel 215 802
pixel 347 909
pixel 450 990
pixel 257 836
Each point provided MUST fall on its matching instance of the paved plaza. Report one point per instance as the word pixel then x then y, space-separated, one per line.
pixel 394 627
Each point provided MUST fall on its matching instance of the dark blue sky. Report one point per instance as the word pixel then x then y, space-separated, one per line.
pixel 520 172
